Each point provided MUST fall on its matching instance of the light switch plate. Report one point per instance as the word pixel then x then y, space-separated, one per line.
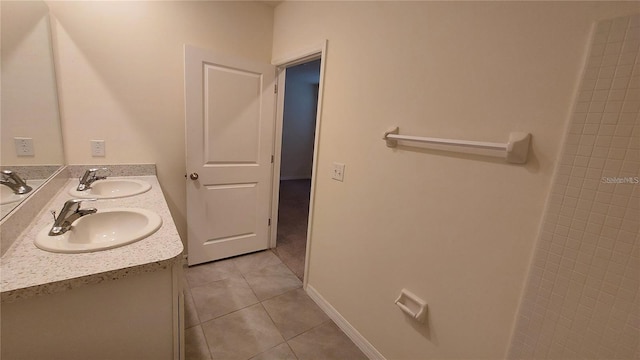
pixel 24 146
pixel 337 172
pixel 97 148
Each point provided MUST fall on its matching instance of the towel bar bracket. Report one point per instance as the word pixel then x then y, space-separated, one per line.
pixel 391 142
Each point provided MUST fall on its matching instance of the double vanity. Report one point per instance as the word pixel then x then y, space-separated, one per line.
pixel 100 279
pixel 107 285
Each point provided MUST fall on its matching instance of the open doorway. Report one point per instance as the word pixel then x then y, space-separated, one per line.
pixel 296 163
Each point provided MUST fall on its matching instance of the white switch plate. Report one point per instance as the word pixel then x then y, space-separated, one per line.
pixel 97 148
pixel 24 146
pixel 337 173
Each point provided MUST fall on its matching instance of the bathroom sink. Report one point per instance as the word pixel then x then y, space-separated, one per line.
pixel 7 196
pixel 103 230
pixel 112 189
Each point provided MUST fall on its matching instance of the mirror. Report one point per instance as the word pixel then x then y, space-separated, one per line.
pixel 29 99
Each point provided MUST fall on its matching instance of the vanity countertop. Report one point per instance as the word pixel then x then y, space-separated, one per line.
pixel 28 271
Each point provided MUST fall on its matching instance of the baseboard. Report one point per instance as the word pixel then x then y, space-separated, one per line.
pixel 353 334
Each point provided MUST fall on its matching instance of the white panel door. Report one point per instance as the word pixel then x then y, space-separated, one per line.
pixel 229 139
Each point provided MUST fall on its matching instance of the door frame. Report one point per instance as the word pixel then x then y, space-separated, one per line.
pixel 317 51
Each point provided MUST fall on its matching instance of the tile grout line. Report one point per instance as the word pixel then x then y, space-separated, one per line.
pixel 199 322
pixel 315 327
pixel 243 276
pixel 236 310
pixel 279 332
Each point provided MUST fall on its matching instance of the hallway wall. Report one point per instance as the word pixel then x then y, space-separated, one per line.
pixel 456 229
pixel 299 120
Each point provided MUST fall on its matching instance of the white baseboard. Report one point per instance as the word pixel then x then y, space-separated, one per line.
pixel 353 334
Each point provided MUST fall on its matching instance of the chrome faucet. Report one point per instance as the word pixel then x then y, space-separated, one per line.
pixel 89 177
pixel 12 180
pixel 70 212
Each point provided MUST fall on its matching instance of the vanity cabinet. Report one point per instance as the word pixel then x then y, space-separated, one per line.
pixel 135 317
pixel 121 303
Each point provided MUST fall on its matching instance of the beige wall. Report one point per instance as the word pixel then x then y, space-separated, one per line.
pixel 29 101
pixel 299 121
pixel 457 230
pixel 121 79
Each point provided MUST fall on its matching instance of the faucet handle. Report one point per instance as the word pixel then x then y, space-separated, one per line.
pixel 104 169
pixel 75 203
pixel 79 201
pixel 53 213
pixel 89 209
pixel 70 212
pixel 106 172
pixel 15 182
pixel 93 174
pixel 89 176
pixel 7 174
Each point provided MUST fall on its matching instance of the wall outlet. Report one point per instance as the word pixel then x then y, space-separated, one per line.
pixel 24 146
pixel 337 172
pixel 97 148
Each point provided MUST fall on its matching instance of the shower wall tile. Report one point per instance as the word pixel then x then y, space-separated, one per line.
pixel 582 297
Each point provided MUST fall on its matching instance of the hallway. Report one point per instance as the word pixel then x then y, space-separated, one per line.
pixel 293 214
pixel 253 307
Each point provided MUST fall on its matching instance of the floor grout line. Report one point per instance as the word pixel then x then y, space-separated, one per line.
pixel 286 341
pixel 285 260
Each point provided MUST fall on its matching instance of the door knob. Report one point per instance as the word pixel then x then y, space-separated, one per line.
pixel 194 176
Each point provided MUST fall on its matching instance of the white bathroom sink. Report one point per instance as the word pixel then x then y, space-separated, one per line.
pixel 103 230
pixel 112 189
pixel 7 196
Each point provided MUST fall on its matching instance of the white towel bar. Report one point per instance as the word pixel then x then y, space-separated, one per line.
pixel 516 148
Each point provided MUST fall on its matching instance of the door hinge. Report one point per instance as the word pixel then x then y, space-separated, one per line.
pixel 269 221
pixel 275 88
pixel 272 159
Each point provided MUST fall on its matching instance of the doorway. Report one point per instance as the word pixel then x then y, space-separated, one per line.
pixel 301 87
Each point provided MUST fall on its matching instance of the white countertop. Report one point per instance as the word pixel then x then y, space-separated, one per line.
pixel 27 271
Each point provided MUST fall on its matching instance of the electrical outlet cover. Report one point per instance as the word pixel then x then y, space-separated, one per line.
pixel 337 172
pixel 24 146
pixel 97 148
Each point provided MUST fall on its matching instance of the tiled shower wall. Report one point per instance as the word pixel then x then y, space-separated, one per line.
pixel 581 299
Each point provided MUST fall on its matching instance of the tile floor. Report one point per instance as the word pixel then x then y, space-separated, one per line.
pixel 293 215
pixel 253 307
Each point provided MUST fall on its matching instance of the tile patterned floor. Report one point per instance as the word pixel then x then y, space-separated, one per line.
pixel 293 214
pixel 253 307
